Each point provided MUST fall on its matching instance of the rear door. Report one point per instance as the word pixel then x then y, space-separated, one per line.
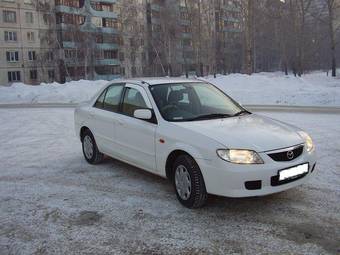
pixel 104 115
pixel 136 138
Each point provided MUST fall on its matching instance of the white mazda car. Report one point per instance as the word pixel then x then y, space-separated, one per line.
pixel 195 135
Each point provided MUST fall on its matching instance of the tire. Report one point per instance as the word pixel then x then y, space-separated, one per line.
pixel 93 156
pixel 186 173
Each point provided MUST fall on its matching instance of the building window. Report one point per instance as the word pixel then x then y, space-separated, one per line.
pixel 49 56
pixel 110 54
pixel 33 74
pixel 47 19
pixel 10 16
pixel 122 71
pixel 30 36
pixel 121 56
pixel 12 56
pixel 29 17
pixel 69 3
pixel 50 74
pixel 10 36
pixel 32 56
pixel 14 76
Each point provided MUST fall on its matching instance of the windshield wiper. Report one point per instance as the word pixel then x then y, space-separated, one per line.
pixel 211 116
pixel 241 113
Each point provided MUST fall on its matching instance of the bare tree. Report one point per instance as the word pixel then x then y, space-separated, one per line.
pixel 332 7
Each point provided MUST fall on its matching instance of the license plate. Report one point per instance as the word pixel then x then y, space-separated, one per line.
pixel 293 172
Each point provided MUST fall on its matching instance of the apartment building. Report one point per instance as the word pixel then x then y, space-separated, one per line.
pixel 27 46
pixel 228 29
pixel 62 40
pixel 184 35
pixel 89 39
pixel 133 53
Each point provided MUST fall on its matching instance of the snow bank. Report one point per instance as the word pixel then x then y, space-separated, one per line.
pixel 315 89
pixel 70 92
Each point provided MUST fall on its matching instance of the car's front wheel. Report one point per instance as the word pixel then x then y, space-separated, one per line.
pixel 90 149
pixel 188 182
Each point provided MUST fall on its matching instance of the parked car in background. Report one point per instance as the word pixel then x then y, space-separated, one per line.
pixel 195 135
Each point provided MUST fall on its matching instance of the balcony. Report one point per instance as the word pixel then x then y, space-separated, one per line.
pixel 107 77
pixel 187 61
pixel 107 46
pixel 231 8
pixel 69 44
pixel 185 22
pixel 155 7
pixel 186 35
pixel 103 14
pixel 105 1
pixel 70 10
pixel 108 62
pixel 231 19
pixel 109 30
pixel 156 21
pixel 232 30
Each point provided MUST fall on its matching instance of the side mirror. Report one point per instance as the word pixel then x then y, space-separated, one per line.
pixel 143 114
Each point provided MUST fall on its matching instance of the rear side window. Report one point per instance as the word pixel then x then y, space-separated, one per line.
pixel 112 97
pixel 100 101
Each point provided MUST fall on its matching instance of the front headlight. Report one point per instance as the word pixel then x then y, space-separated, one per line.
pixel 240 156
pixel 308 141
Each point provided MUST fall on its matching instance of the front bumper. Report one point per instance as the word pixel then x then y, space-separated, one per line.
pixel 233 180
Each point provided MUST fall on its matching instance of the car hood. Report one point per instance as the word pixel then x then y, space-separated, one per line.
pixel 251 132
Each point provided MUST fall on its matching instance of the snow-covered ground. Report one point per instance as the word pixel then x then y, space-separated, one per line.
pixel 315 89
pixel 53 202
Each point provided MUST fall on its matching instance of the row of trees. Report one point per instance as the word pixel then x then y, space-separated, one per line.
pixel 299 35
pixel 288 35
pixel 197 36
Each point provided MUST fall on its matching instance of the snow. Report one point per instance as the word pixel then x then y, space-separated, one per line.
pixel 70 92
pixel 314 89
pixel 53 202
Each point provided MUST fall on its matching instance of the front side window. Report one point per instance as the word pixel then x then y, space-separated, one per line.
pixel 112 98
pixel 193 101
pixel 133 100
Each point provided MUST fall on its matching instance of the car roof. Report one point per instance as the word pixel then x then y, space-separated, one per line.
pixel 147 81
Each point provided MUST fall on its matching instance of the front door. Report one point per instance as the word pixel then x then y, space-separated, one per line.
pixel 135 137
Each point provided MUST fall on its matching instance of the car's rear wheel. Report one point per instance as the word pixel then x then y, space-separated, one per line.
pixel 90 149
pixel 188 182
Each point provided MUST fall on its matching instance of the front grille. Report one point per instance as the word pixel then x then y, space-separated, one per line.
pixel 287 155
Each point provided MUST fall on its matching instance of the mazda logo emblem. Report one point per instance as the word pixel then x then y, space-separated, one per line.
pixel 290 154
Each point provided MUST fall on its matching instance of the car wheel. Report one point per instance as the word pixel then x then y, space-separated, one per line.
pixel 90 149
pixel 188 182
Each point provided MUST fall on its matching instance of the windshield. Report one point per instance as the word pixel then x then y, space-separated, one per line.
pixel 193 101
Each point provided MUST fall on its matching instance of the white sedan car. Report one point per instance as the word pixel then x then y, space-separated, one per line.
pixel 195 135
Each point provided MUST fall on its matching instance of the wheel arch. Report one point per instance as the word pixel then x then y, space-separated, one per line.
pixel 82 131
pixel 171 159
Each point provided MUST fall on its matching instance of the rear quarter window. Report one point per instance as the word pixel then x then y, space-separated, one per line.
pixel 100 101
pixel 112 98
